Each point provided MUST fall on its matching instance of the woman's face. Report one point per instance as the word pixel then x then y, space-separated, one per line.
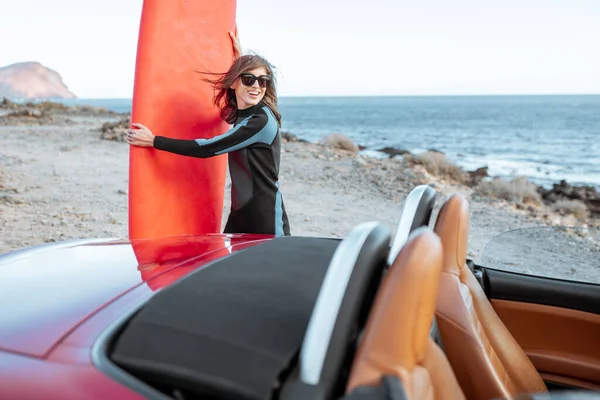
pixel 248 90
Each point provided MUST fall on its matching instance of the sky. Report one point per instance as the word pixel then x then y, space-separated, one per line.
pixel 337 47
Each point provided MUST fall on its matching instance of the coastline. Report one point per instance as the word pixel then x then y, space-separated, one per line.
pixel 465 117
pixel 60 180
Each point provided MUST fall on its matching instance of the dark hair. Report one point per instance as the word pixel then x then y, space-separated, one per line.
pixel 225 96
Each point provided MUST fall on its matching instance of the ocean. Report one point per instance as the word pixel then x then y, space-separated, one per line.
pixel 546 138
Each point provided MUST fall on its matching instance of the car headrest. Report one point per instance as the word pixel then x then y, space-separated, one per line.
pixel 397 331
pixel 416 212
pixel 452 226
pixel 340 312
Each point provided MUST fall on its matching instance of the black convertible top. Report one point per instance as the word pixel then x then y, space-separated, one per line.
pixel 229 329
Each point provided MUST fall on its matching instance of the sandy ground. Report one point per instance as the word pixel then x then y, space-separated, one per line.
pixel 61 181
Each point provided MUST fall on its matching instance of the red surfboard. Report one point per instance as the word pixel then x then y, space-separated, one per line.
pixel 169 194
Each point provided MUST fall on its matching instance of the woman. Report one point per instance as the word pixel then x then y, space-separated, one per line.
pixel 247 99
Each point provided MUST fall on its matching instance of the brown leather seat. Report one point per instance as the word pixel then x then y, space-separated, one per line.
pixel 485 357
pixel 396 340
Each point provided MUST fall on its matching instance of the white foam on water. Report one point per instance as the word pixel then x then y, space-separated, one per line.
pixel 538 171
pixel 373 154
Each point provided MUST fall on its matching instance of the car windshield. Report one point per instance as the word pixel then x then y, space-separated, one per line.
pixel 555 252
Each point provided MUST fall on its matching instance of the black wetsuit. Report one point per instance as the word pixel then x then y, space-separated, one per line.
pixel 254 147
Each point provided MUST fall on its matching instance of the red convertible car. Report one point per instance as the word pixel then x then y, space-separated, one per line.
pixel 374 315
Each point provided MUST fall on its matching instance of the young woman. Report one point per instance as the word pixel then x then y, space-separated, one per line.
pixel 247 99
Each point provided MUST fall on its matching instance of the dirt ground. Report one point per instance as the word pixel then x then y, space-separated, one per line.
pixel 59 180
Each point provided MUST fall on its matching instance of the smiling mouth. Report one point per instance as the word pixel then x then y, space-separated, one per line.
pixel 253 93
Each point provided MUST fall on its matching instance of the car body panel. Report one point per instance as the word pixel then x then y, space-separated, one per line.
pixel 55 380
pixel 48 292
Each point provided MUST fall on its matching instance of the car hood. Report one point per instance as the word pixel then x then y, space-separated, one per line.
pixel 46 291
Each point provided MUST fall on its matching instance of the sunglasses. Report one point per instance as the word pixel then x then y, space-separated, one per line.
pixel 249 79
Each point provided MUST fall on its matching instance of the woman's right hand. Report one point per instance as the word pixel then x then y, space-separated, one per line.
pixel 142 136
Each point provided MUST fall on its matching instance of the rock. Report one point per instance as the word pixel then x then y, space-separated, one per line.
pixel 435 151
pixel 477 176
pixel 6 104
pixel 290 137
pixel 563 190
pixel 520 206
pixel 32 80
pixel 10 200
pixel 392 151
pixel 360 162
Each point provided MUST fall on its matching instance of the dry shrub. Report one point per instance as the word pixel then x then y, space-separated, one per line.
pixel 49 106
pixel 574 207
pixel 91 110
pixel 25 116
pixel 518 190
pixel 116 130
pixel 340 141
pixel 437 164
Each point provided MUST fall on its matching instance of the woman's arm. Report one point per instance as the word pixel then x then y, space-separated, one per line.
pixel 249 131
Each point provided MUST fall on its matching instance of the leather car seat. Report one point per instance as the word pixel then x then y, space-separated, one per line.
pixel 396 341
pixel 487 360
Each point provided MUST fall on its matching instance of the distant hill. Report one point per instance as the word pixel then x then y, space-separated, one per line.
pixel 31 80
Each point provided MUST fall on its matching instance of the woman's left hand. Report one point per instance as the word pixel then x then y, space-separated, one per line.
pixel 235 42
pixel 142 136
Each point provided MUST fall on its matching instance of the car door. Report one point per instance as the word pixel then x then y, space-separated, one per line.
pixel 544 284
